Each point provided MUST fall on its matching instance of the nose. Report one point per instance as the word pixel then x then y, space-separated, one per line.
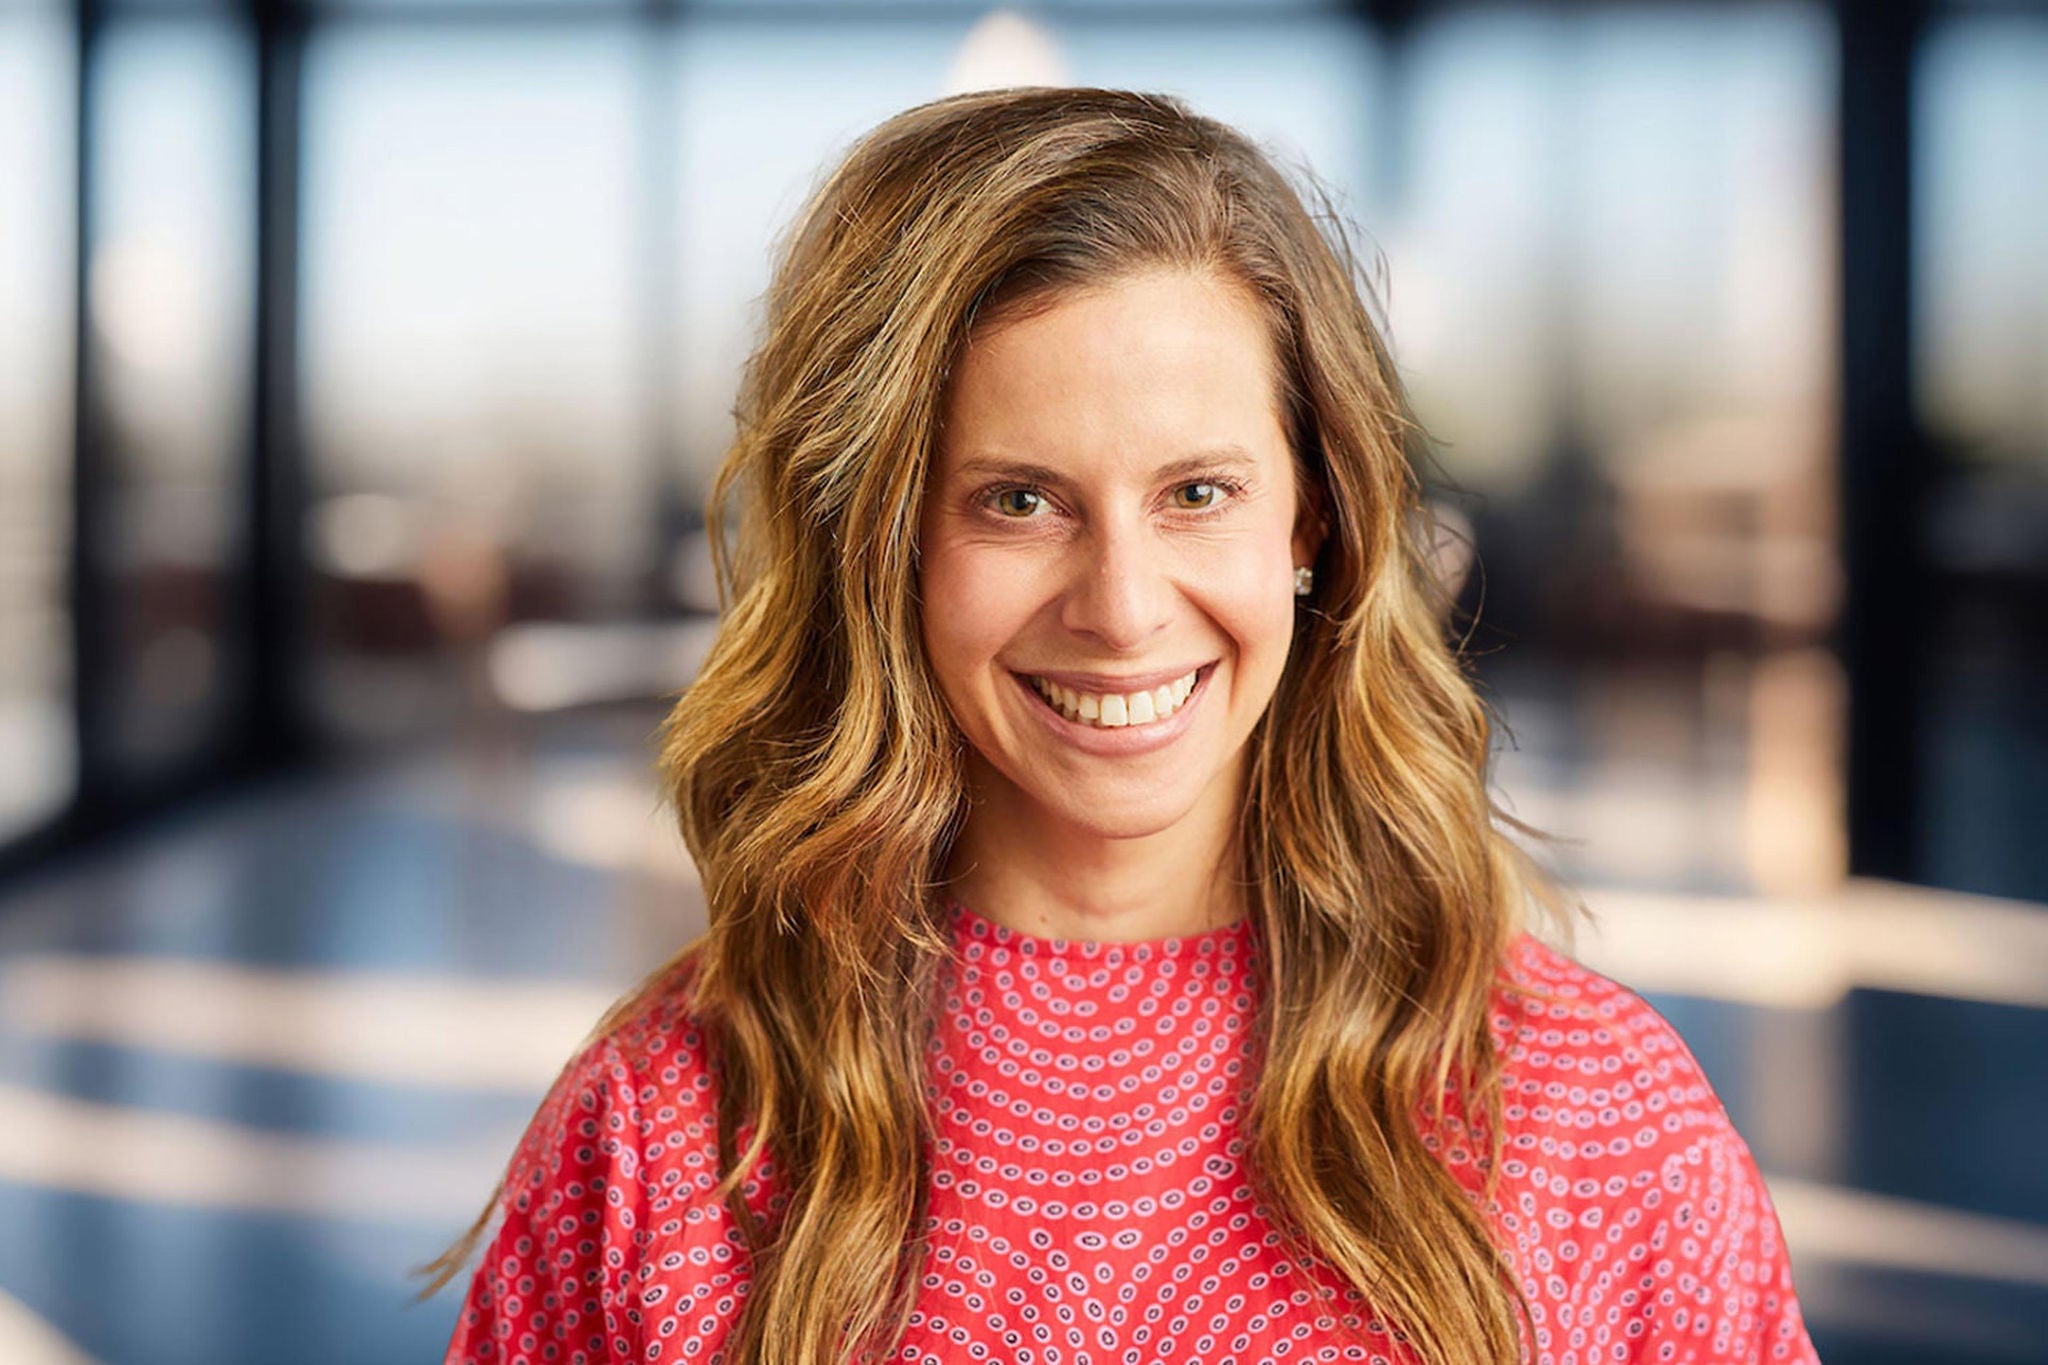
pixel 1122 590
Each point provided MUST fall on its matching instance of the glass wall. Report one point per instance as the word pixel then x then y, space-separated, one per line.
pixel 1612 251
pixel 1981 313
pixel 170 297
pixel 475 406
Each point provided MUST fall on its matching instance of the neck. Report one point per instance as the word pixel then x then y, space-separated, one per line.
pixel 1027 868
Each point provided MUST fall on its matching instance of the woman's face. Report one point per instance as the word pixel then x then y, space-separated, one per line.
pixel 1108 547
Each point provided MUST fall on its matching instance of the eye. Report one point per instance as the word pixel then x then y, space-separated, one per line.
pixel 1018 504
pixel 1198 496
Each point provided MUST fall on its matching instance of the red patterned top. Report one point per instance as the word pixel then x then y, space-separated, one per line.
pixel 1090 1203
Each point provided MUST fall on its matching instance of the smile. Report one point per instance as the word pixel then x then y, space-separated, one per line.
pixel 1115 710
pixel 1117 723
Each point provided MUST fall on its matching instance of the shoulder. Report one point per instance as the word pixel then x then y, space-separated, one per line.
pixel 1594 1081
pixel 628 1130
pixel 1570 1037
pixel 1631 1204
pixel 643 1081
pixel 610 1215
pixel 642 1096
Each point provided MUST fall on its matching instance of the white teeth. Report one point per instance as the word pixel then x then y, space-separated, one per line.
pixel 1115 710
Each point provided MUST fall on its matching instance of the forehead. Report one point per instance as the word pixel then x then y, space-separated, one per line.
pixel 1156 365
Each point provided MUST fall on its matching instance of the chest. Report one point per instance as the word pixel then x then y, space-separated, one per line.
pixel 1090 1201
pixel 1174 1262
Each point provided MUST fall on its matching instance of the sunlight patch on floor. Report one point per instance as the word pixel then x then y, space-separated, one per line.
pixel 118 1152
pixel 410 1030
pixel 1855 1227
pixel 1807 954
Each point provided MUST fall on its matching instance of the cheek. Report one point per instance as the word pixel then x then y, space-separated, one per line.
pixel 1253 598
pixel 972 608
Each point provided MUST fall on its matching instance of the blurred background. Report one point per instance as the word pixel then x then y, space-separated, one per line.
pixel 362 366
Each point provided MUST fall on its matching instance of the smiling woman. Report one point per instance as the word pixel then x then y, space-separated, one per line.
pixel 1114 953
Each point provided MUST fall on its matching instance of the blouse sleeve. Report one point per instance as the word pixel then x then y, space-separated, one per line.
pixel 556 1282
pixel 1636 1211
pixel 1707 1278
pixel 1680 1256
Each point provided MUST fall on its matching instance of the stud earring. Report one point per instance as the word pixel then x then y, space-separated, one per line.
pixel 1304 580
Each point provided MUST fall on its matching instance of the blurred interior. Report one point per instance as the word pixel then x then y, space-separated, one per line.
pixel 363 364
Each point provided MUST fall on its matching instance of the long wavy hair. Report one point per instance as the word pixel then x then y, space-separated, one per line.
pixel 818 777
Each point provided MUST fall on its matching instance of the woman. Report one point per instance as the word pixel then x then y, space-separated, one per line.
pixel 1113 953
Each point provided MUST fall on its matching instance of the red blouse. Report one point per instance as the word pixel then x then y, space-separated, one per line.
pixel 1090 1202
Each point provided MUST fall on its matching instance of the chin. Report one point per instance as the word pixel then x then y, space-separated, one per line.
pixel 1129 827
pixel 1112 818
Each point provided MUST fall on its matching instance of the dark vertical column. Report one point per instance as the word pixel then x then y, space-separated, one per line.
pixel 93 643
pixel 277 723
pixel 1885 462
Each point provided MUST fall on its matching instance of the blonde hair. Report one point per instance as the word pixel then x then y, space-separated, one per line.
pixel 819 781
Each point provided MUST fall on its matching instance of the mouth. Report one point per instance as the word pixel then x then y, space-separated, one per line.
pixel 1119 710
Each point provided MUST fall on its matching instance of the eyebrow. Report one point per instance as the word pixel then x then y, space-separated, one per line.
pixel 1229 457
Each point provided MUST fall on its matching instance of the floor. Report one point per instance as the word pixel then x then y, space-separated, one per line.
pixel 259 1060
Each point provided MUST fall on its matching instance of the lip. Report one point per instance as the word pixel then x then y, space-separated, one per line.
pixel 1120 741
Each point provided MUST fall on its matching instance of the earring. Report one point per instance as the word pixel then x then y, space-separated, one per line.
pixel 1304 579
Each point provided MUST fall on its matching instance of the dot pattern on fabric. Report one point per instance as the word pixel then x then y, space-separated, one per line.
pixel 1090 1200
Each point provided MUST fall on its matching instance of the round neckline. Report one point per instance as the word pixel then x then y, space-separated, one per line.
pixel 969 921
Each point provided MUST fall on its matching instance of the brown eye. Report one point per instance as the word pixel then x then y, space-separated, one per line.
pixel 1194 497
pixel 1018 502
